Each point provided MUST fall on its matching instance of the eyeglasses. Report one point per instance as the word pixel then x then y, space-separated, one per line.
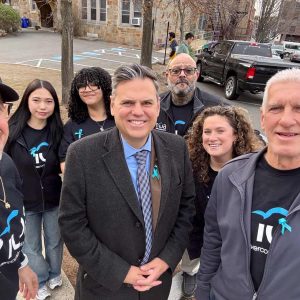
pixel 5 109
pixel 86 89
pixel 187 71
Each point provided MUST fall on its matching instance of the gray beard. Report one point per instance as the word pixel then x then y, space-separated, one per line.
pixel 179 96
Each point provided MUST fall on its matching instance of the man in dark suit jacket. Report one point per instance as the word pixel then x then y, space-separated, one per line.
pixel 101 213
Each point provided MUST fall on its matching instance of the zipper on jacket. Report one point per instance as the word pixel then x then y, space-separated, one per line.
pixel 43 198
pixel 248 248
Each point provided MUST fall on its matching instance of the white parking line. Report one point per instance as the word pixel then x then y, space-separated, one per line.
pixel 39 62
pixel 105 59
pixel 25 61
pixel 27 65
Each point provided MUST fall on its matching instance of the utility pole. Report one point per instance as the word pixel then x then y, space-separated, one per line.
pixel 67 68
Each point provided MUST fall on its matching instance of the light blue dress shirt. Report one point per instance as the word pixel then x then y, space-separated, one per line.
pixel 131 161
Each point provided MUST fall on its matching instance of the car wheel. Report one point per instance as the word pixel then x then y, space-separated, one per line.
pixel 199 68
pixel 231 88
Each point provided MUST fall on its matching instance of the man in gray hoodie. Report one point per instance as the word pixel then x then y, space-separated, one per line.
pixel 251 237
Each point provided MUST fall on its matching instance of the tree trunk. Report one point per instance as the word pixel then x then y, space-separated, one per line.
pixel 146 52
pixel 67 69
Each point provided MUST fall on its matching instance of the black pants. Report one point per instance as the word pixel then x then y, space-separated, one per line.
pixel 8 288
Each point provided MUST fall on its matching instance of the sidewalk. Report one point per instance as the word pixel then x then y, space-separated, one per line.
pixel 65 292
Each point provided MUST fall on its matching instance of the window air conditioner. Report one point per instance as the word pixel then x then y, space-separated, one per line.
pixel 136 21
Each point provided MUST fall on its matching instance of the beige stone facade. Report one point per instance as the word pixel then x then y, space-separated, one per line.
pixel 289 23
pixel 246 25
pixel 28 9
pixel 113 30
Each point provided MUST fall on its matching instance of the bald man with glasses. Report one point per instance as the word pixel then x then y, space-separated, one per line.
pixel 184 100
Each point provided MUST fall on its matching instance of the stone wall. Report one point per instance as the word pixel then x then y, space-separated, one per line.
pixel 25 10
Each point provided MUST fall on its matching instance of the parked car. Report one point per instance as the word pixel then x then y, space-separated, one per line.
pixel 277 51
pixel 290 48
pixel 295 56
pixel 239 66
pixel 205 47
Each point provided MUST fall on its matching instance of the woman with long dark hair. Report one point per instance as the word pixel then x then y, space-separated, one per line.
pixel 218 134
pixel 88 107
pixel 35 133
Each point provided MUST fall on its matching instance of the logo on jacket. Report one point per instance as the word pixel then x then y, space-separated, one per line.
pixel 11 216
pixel 281 221
pixel 37 153
pixel 179 122
pixel 11 240
pixel 79 133
pixel 161 126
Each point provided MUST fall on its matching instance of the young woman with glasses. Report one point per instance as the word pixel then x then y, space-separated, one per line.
pixel 14 270
pixel 88 107
pixel 35 133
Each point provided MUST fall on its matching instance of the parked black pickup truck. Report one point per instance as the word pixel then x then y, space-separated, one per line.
pixel 239 66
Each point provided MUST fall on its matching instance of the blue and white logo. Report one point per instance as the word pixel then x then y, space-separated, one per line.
pixel 38 154
pixel 281 221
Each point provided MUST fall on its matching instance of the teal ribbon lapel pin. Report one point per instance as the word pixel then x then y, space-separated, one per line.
pixel 155 173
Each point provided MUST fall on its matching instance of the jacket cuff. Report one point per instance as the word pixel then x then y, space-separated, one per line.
pixel 24 262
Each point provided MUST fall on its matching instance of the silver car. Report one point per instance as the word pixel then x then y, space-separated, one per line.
pixel 295 56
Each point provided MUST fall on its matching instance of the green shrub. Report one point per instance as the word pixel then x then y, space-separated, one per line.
pixel 9 18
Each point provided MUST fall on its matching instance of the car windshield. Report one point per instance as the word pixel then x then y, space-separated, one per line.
pixel 277 47
pixel 252 49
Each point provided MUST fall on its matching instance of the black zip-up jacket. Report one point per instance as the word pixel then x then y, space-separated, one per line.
pixel 41 193
pixel 200 99
pixel 12 225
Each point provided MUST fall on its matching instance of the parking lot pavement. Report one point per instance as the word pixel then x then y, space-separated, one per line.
pixel 43 50
pixel 109 59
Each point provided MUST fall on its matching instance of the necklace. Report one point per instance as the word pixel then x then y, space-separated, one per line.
pixel 101 125
pixel 7 205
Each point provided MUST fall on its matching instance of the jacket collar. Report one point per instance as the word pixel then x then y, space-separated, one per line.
pixel 166 98
pixel 242 173
pixel 120 173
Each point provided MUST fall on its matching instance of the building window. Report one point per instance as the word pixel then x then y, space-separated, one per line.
pixel 102 4
pixel 130 9
pixel 202 25
pixel 32 4
pixel 125 12
pixel 93 10
pixel 137 9
pixel 84 10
